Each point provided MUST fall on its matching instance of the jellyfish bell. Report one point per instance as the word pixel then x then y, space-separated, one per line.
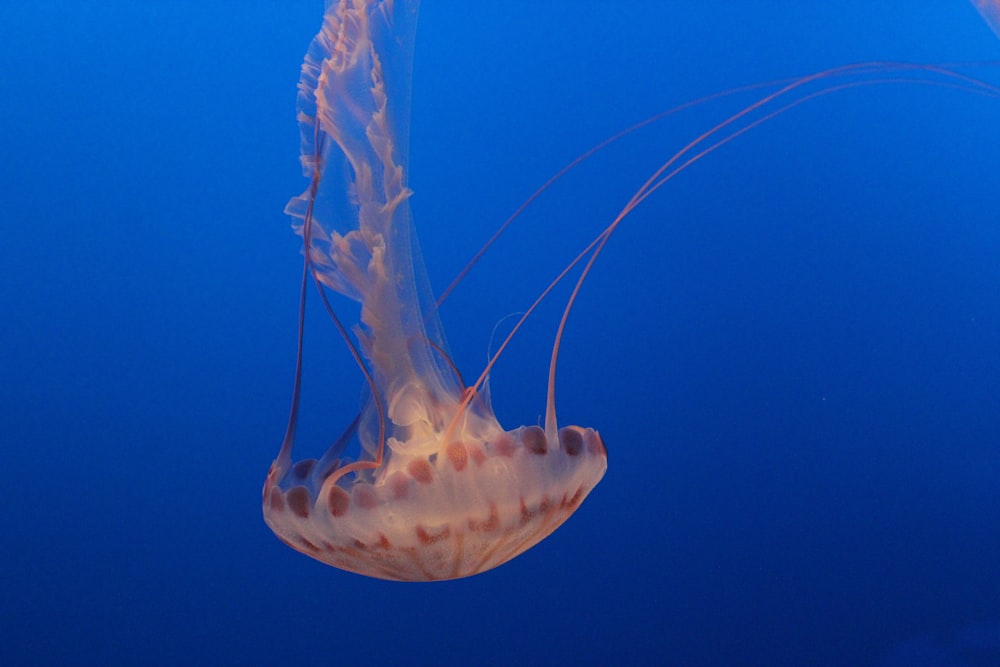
pixel 468 507
pixel 439 490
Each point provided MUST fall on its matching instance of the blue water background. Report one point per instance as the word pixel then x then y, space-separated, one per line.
pixel 792 351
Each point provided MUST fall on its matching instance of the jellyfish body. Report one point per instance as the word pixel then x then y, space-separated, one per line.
pixel 440 489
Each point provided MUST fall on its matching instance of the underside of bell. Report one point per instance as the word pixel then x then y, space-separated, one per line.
pixel 460 511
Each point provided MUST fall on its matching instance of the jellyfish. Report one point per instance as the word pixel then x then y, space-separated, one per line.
pixel 439 490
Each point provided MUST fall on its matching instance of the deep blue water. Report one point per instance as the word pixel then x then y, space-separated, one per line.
pixel 792 351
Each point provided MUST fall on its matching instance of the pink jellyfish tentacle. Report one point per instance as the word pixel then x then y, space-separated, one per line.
pixel 658 178
pixel 786 87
